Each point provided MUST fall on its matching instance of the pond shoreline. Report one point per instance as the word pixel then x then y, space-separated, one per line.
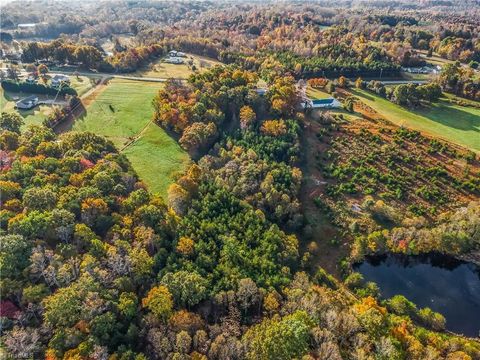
pixel 446 284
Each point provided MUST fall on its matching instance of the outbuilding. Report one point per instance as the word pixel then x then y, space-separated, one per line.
pixel 59 79
pixel 328 103
pixel 27 103
pixel 174 60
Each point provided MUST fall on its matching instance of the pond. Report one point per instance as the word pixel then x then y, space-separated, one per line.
pixel 445 285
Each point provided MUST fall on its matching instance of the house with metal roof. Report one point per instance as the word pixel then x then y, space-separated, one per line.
pixel 328 103
pixel 27 103
pixel 59 79
pixel 173 60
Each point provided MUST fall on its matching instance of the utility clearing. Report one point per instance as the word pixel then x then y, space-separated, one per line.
pixel 455 123
pixel 122 112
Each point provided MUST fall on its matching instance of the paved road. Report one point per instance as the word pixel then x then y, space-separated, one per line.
pixel 109 76
pixel 98 74
pixel 398 82
pixel 152 79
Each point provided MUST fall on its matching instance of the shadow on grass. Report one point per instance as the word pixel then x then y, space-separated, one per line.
pixel 445 114
pixel 362 95
pixel 79 113
pixel 442 112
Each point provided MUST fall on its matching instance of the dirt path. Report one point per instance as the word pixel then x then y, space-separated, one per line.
pixel 325 242
pixel 136 136
pixel 95 88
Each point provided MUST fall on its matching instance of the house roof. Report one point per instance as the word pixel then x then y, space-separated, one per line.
pixel 323 101
pixel 28 99
pixel 60 77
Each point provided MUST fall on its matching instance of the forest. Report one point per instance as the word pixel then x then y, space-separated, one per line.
pixel 251 252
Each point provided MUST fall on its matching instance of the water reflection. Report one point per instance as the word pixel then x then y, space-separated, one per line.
pixel 444 284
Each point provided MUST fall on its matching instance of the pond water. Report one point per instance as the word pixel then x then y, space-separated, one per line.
pixel 443 284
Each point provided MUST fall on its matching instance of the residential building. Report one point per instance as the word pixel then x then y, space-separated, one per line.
pixel 173 60
pixel 174 53
pixel 59 79
pixel 328 103
pixel 27 103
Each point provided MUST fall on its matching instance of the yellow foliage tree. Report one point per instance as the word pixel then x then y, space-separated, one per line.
pixel 247 116
pixel 159 301
pixel 185 246
pixel 274 127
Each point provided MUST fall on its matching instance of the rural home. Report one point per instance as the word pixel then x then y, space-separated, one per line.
pixel 26 26
pixel 423 70
pixel 27 103
pixel 328 103
pixel 174 60
pixel 59 79
pixel 31 80
pixel 174 53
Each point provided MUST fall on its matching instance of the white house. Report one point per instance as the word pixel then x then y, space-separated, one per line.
pixel 59 79
pixel 328 103
pixel 27 103
pixel 174 60
pixel 174 53
pixel 26 26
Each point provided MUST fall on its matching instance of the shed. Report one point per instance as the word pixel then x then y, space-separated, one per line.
pixel 27 103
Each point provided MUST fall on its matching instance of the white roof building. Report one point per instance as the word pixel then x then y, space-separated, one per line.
pixel 328 103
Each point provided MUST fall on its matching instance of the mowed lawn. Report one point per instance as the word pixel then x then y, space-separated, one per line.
pixel 81 84
pixel 317 93
pixel 162 70
pixel 33 116
pixel 157 158
pixel 36 115
pixel 451 122
pixel 122 112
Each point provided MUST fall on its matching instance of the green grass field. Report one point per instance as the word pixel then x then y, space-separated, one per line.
pixel 451 122
pixel 157 158
pixel 162 70
pixel 317 93
pixel 119 111
pixel 122 112
pixel 81 84
pixel 32 116
pixel 36 115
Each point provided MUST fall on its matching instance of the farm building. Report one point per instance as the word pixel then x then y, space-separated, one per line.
pixel 59 79
pixel 328 103
pixel 174 60
pixel 174 53
pixel 27 103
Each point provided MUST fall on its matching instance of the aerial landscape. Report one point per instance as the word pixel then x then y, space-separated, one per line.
pixel 273 180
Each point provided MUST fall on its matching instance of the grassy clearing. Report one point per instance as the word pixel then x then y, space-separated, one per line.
pixel 454 123
pixel 36 115
pixel 33 116
pixel 410 76
pixel 81 84
pixel 434 59
pixel 125 40
pixel 317 93
pixel 157 158
pixel 122 113
pixel 163 70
